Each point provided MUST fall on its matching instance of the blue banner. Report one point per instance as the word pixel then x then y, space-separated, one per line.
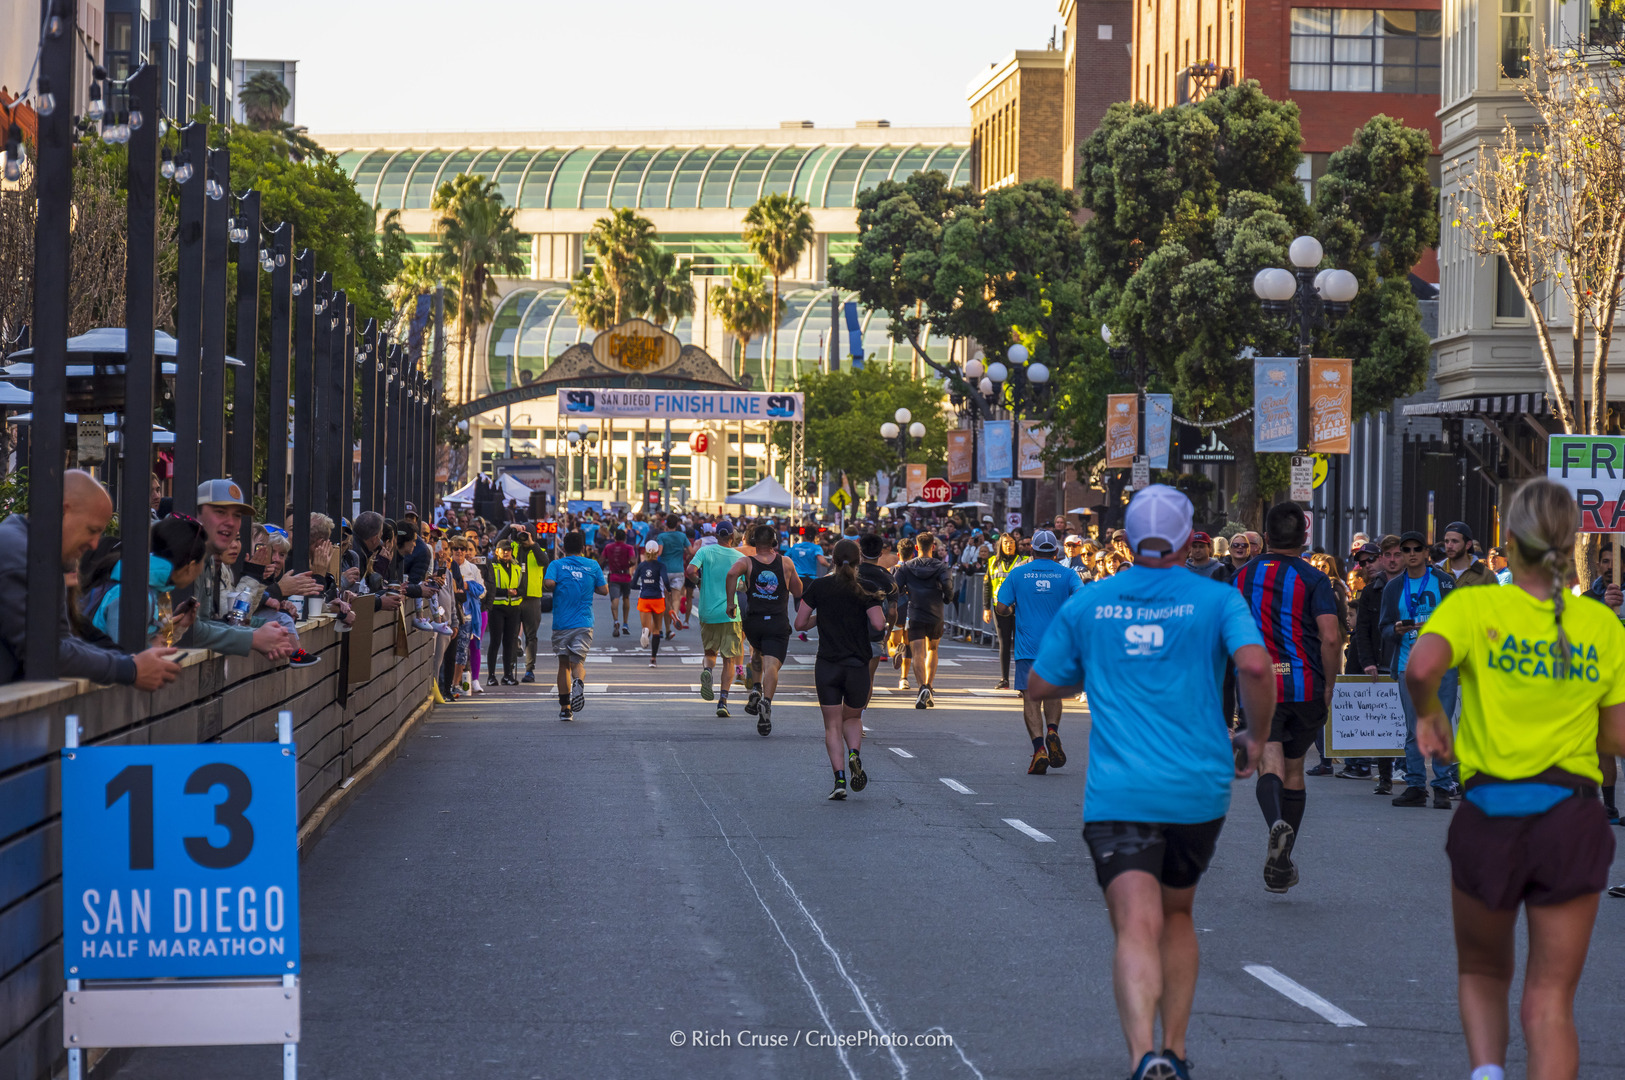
pixel 1275 404
pixel 998 456
pixel 855 333
pixel 1159 428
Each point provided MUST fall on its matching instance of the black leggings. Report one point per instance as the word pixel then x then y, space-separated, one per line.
pixel 1006 626
pixel 505 625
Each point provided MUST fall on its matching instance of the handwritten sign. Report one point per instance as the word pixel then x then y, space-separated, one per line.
pixel 1592 467
pixel 1367 719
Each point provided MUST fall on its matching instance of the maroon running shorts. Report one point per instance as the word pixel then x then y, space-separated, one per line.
pixel 1542 859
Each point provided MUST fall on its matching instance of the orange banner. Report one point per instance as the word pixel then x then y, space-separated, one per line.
pixel 961 447
pixel 1030 449
pixel 1331 405
pixel 916 482
pixel 1122 430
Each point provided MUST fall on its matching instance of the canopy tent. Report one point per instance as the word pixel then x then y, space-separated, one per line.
pixel 11 396
pixel 1080 510
pixel 972 505
pixel 107 340
pixel 511 489
pixel 765 492
pixel 160 436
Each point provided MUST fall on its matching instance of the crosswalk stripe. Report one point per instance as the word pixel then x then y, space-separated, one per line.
pixel 1022 827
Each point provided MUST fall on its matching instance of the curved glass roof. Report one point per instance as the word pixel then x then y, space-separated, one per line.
pixel 649 177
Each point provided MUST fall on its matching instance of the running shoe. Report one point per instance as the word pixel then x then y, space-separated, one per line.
pixel 1057 756
pixel 902 684
pixel 739 672
pixel 1155 1067
pixel 303 659
pixel 1040 764
pixel 1323 769
pixel 1002 684
pixel 1613 815
pixel 919 702
pixel 509 680
pixel 764 718
pixel 858 779
pixel 1441 798
pixel 930 698
pixel 754 702
pixel 528 677
pixel 617 632
pixel 839 794
pixel 1617 891
pixel 706 693
pixel 1279 873
pixel 643 642
pixel 652 661
pixel 897 659
pixel 564 714
pixel 722 709
pixel 1182 1067
pixel 802 636
pixel 578 695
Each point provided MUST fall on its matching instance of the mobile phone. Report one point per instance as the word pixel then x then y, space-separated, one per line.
pixel 186 607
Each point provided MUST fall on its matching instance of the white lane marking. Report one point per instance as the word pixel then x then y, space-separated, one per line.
pixel 899 751
pixel 994 693
pixel 1302 995
pixel 1021 826
pixel 956 785
pixel 692 659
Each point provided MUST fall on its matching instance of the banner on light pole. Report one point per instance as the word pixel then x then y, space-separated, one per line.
pixel 960 443
pixel 1331 405
pixel 1275 404
pixel 1034 435
pixel 1122 430
pixel 997 450
pixel 1159 428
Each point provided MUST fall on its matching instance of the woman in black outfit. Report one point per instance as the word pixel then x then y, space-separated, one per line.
pixel 848 618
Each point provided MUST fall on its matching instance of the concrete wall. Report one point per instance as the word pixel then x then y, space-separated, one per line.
pixel 216 699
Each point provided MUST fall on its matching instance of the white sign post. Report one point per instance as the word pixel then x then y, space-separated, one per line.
pixel 1303 479
pixel 1141 474
pixel 1366 719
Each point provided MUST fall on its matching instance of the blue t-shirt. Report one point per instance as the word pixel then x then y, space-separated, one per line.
pixel 672 546
pixel 1149 647
pixel 575 578
pixel 1037 590
pixel 1418 597
pixel 804 557
pixel 589 531
pixel 637 532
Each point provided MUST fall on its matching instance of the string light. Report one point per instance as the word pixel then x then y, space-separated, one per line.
pixel 167 168
pixel 14 154
pixel 95 109
pixel 44 100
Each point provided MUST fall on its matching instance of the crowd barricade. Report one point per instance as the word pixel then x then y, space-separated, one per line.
pixel 964 613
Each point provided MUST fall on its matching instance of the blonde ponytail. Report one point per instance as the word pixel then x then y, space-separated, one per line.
pixel 1542 519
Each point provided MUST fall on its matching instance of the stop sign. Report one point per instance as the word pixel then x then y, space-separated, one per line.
pixel 937 490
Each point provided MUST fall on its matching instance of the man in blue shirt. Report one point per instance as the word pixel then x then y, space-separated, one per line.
pixel 1036 590
pixel 808 558
pixel 1149 646
pixel 673 551
pixel 573 581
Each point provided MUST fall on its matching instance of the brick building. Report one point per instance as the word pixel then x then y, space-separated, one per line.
pixel 1016 120
pixel 1097 43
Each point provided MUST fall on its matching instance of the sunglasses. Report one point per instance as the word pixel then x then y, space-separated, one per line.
pixel 1365 560
pixel 1411 549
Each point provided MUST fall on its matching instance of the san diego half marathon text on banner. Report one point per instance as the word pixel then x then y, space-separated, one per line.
pixel 680 404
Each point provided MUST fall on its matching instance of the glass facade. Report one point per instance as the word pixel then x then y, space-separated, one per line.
pixel 1365 49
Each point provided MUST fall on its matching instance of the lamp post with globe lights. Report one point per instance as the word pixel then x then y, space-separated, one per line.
pixel 1029 384
pixel 581 440
pixel 1307 299
pixel 903 434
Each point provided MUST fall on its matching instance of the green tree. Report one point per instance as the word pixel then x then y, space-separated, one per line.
pixel 778 228
pixel 265 97
pixel 475 241
pixel 662 286
pixel 620 242
pixel 844 411
pixel 745 309
pixel 592 299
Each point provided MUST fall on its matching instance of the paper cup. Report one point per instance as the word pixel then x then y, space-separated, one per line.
pixel 313 606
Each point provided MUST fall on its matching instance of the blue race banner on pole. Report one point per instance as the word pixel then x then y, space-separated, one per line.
pixel 1275 404
pixel 590 404
pixel 1159 428
pixel 179 861
pixel 855 334
pixel 1000 455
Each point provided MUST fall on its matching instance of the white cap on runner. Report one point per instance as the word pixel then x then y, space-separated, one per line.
pixel 1158 517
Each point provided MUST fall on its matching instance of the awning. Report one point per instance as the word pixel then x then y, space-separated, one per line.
pixel 1499 407
pixel 765 492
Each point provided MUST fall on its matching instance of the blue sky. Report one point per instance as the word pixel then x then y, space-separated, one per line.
pixel 511 65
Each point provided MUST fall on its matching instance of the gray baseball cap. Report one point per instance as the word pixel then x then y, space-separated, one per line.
pixel 222 492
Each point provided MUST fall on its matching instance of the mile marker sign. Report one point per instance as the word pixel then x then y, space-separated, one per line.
pixel 1592 467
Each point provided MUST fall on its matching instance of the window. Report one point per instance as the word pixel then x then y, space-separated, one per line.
pixel 1304 175
pixel 1517 17
pixel 1605 23
pixel 1366 50
pixel 1508 301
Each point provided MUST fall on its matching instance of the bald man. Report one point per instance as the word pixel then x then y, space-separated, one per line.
pixel 86 510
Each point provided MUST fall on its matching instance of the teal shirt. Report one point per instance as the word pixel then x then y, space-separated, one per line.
pixel 714 562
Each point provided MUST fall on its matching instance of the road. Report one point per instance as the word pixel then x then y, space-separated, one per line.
pixel 651 891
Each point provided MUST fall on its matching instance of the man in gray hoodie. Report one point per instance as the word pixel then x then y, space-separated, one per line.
pixel 86 510
pixel 926 581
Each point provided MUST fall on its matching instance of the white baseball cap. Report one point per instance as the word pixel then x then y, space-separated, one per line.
pixel 652 547
pixel 1158 516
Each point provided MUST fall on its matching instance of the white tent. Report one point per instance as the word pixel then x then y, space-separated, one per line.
pixel 511 489
pixel 765 492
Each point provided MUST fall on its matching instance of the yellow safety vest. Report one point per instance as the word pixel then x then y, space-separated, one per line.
pixel 534 573
pixel 506 576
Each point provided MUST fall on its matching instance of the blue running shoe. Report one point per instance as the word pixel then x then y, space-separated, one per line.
pixel 1155 1067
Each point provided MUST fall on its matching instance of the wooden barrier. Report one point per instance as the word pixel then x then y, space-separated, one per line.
pixel 216 699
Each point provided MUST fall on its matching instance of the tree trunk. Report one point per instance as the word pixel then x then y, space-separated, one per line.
pixel 1249 499
pixel 773 341
pixel 1577 340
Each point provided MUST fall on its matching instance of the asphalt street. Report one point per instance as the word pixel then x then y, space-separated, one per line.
pixel 652 891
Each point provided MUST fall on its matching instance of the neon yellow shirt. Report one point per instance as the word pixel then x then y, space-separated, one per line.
pixel 1525 710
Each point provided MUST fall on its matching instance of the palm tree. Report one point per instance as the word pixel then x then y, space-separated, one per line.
pixel 475 240
pixel 778 228
pixel 619 241
pixel 265 97
pixel 592 299
pixel 744 308
pixel 662 287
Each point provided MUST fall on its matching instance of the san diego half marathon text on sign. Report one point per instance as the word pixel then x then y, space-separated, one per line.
pixel 211 922
pixel 680 404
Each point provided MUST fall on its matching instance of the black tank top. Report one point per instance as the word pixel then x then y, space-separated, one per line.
pixel 769 597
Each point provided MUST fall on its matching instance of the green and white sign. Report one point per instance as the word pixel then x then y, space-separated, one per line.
pixel 1592 467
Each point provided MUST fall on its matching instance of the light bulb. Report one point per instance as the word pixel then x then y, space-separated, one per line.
pixel 1017 353
pixel 282 258
pixel 986 385
pixel 1305 252
pixel 1105 333
pixel 14 167
pixel 917 430
pixel 1339 286
pixel 298 287
pixel 53 28
pixel 583 428
pixel 1038 373
pixel 163 127
pixel 973 369
pixel 903 416
pixel 109 134
pixel 1274 284
pixel 95 109
pixel 44 100
pixel 136 120
pixel 888 430
pixel 183 171
pixel 997 372
pixel 212 188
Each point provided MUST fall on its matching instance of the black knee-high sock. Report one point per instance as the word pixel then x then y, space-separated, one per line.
pixel 1292 803
pixel 654 646
pixel 1608 796
pixel 1269 797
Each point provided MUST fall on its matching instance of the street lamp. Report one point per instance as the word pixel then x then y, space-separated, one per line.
pixel 1029 399
pixel 1307 299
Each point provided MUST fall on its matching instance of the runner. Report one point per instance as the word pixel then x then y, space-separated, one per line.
pixel 926 581
pixel 673 548
pixel 618 559
pixel 1530 831
pixel 850 617
pixel 1293 605
pixel 573 581
pixel 877 580
pixel 1033 592
pixel 770 581
pixel 650 580
pixel 719 619
pixel 897 642
pixel 1149 646
pixel 809 560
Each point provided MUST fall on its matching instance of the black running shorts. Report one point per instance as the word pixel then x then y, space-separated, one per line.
pixel 928 629
pixel 1176 855
pixel 769 637
pixel 1295 725
pixel 620 590
pixel 841 684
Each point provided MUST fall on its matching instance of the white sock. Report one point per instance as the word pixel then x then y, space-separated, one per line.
pixel 1488 1072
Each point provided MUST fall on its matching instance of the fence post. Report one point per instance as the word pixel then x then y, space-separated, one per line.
pixel 216 247
pixel 189 314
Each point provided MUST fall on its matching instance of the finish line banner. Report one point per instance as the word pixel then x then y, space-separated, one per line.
pixel 679 405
